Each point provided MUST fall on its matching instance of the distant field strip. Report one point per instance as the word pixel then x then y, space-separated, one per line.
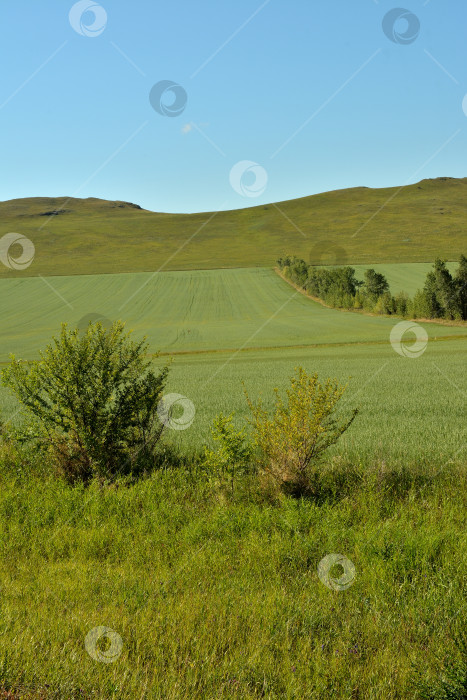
pixel 402 277
pixel 185 311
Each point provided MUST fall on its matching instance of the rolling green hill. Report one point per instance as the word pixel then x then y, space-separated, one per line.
pixel 415 223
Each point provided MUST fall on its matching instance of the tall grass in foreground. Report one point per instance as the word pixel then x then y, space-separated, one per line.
pixel 216 595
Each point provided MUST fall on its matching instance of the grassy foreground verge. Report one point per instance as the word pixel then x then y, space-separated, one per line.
pixel 218 596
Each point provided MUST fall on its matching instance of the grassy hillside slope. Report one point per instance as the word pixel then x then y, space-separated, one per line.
pixel 415 223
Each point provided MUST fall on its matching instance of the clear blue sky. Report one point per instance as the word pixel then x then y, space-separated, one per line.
pixel 82 124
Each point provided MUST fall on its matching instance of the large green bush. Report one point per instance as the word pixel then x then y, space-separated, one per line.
pixel 92 401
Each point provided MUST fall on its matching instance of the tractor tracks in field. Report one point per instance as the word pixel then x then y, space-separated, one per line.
pixel 311 346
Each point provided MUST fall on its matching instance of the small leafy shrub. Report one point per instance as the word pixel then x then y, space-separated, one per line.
pixel 93 400
pixel 293 440
pixel 233 456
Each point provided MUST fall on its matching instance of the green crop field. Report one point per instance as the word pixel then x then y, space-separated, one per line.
pixel 419 403
pixel 260 329
pixel 186 311
pixel 415 223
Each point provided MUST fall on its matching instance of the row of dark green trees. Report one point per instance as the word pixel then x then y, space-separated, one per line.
pixel 443 296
